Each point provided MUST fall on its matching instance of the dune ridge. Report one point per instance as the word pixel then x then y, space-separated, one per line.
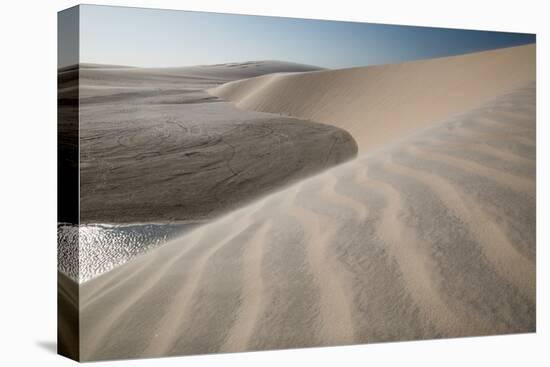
pixel 382 103
pixel 432 236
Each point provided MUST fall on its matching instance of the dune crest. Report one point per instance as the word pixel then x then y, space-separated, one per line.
pixel 383 103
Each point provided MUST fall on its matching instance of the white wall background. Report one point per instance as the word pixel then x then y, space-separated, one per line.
pixel 28 181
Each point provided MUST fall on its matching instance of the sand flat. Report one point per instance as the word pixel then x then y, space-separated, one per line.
pixel 155 147
pixel 412 241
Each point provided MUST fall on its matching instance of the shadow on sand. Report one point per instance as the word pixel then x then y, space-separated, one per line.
pixel 48 345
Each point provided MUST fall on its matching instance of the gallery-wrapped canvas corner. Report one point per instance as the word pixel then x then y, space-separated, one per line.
pixel 232 183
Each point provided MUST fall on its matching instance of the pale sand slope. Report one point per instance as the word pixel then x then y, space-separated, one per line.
pixel 378 104
pixel 67 316
pixel 432 237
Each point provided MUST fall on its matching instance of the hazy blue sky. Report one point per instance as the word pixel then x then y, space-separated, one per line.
pixel 150 37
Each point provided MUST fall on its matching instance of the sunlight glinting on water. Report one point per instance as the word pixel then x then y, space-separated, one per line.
pixel 86 251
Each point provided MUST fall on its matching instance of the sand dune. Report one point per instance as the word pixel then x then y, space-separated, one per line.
pixel 432 236
pixel 382 103
pixel 123 77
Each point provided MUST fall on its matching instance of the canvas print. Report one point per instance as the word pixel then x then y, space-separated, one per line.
pixel 233 183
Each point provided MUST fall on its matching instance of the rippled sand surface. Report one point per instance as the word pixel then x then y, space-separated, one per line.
pixel 432 236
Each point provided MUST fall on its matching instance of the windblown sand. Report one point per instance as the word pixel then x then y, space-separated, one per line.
pixel 431 235
pixel 379 104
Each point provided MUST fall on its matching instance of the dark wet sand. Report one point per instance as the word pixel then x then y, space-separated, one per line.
pixel 155 147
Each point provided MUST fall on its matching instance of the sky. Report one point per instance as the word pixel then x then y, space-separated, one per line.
pixel 162 38
pixel 67 37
